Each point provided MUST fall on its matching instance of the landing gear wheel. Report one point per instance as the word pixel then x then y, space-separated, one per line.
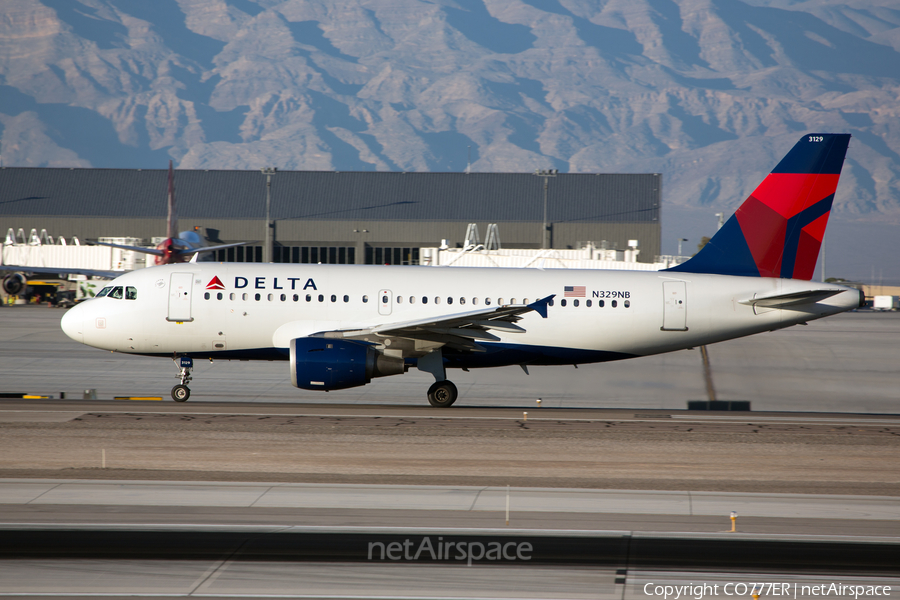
pixel 442 394
pixel 180 393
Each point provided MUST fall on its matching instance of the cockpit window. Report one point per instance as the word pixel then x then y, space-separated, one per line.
pixel 131 293
pixel 116 292
pixel 103 292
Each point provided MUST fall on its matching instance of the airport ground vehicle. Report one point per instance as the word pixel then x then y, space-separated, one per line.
pixel 885 303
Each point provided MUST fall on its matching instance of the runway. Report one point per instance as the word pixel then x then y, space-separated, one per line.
pixel 846 363
pixel 609 456
pixel 88 539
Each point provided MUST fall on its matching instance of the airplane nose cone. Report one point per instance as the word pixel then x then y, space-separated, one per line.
pixel 73 323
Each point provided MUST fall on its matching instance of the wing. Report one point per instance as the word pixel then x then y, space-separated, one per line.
pixel 153 251
pixel 183 251
pixel 61 271
pixel 460 330
pixel 214 248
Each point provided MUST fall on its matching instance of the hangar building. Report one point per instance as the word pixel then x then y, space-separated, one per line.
pixel 337 217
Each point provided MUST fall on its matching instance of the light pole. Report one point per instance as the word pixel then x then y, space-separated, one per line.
pixel 679 244
pixel 545 230
pixel 267 249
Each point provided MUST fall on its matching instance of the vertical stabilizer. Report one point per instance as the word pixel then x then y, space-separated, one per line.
pixel 778 230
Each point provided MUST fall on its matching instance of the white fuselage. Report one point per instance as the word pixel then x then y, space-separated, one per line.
pixel 245 310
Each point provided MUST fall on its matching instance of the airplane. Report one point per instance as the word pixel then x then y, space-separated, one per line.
pixel 340 326
pixel 176 248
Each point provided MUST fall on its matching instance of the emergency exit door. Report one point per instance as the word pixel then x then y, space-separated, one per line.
pixel 385 302
pixel 180 285
pixel 674 306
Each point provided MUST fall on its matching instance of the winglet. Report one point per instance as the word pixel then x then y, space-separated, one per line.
pixel 540 306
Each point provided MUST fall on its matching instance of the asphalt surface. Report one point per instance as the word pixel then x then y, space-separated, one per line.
pixel 87 538
pixel 610 448
pixel 580 448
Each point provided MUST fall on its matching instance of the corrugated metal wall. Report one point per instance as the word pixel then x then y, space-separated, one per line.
pixel 351 209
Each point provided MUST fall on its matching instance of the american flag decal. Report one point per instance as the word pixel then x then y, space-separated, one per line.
pixel 574 291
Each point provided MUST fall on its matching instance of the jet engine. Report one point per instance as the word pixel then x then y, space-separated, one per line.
pixel 335 364
pixel 14 284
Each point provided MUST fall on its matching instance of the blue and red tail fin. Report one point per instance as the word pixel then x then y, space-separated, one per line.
pixel 778 230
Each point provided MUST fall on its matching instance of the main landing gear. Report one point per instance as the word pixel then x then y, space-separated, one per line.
pixel 442 393
pixel 181 392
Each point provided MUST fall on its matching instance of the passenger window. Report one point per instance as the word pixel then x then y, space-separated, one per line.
pixel 562 302
pixel 512 300
pixel 384 299
pixel 627 304
pixel 309 297
pixel 600 303
pixel 574 302
pixel 244 297
pixel 131 293
pixel 283 297
pixel 550 303
pixel 424 299
pixel 524 301
pixel 219 296
pixel 103 292
pixel 437 299
pixel 346 298
pixel 474 300
pixel 321 298
pixel 462 300
pixel 365 299
pixel 399 300
pixel 206 296
pixel 412 299
pixel 333 298
pixel 614 303
pixel 116 292
pixel 449 299
pixel 500 301
pixel 296 297
pixel 270 297
pixel 258 297
pixel 587 303
pixel 231 296
pixel 487 301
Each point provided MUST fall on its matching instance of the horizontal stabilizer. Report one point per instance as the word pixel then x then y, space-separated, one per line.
pixel 791 299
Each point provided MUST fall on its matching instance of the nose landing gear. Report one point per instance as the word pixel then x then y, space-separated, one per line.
pixel 181 392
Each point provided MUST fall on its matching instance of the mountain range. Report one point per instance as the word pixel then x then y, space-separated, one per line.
pixel 711 93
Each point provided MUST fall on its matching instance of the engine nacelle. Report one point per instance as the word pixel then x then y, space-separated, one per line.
pixel 14 284
pixel 335 364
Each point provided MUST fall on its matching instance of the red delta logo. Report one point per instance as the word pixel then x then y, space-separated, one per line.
pixel 215 284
